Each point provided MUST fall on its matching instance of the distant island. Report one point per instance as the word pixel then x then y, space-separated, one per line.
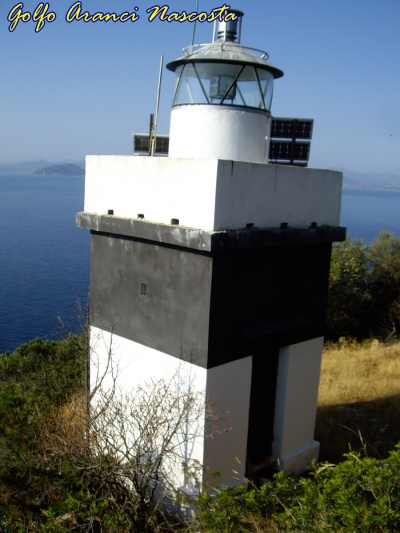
pixel 66 169
pixel 32 166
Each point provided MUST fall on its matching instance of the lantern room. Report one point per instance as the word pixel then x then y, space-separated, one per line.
pixel 222 99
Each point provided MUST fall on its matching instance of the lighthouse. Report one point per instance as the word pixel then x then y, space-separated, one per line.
pixel 215 263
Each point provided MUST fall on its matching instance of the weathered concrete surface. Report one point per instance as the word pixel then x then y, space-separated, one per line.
pixel 198 239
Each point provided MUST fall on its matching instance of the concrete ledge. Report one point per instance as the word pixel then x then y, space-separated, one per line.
pixel 297 461
pixel 198 239
pixel 261 237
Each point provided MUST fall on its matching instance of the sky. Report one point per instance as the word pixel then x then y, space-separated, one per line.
pixel 75 88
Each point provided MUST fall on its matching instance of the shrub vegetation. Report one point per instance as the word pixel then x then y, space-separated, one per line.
pixel 364 289
pixel 358 495
pixel 35 379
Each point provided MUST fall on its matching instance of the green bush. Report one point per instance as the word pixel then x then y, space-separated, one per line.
pixel 383 258
pixel 34 379
pixel 348 290
pixel 364 289
pixel 358 495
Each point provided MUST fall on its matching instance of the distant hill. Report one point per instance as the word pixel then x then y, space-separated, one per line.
pixel 370 180
pixel 24 166
pixel 32 166
pixel 66 169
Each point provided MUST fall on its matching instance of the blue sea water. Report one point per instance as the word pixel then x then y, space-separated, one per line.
pixel 366 212
pixel 44 257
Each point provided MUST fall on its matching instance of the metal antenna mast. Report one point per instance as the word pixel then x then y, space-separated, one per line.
pixel 155 124
pixel 194 25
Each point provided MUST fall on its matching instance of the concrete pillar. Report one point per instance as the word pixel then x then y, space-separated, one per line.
pixel 296 404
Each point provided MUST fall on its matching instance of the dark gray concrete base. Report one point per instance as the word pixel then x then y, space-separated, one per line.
pixel 208 308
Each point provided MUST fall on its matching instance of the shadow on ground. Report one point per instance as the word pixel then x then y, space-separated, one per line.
pixel 338 427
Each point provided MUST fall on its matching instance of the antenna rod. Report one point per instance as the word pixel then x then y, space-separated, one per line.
pixel 153 140
pixel 194 25
pixel 151 132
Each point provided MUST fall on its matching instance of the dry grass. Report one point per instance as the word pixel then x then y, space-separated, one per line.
pixel 359 393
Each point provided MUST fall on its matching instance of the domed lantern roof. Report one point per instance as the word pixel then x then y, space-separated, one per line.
pixel 224 72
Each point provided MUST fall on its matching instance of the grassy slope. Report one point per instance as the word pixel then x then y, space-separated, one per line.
pixel 359 389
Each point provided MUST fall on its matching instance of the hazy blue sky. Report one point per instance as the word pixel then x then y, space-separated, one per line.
pixel 83 88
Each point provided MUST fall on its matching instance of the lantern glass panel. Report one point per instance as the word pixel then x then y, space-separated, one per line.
pixel 267 86
pixel 217 79
pixel 223 84
pixel 189 89
pixel 249 89
pixel 178 75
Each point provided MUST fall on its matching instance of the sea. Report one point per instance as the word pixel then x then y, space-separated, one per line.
pixel 44 257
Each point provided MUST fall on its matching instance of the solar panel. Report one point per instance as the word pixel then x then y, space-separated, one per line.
pixel 290 151
pixel 291 128
pixel 141 144
pixel 287 150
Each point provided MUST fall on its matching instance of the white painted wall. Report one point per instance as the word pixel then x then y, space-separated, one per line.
pixel 267 195
pixel 135 365
pixel 296 405
pixel 211 194
pixel 229 385
pixel 157 187
pixel 199 131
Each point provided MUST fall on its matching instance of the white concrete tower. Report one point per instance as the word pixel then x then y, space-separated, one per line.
pixel 222 101
pixel 215 263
